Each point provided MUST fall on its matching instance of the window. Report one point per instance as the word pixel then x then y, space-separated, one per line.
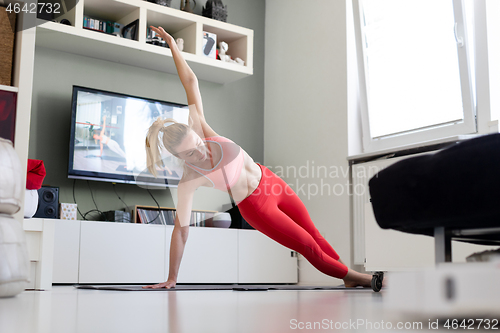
pixel 415 77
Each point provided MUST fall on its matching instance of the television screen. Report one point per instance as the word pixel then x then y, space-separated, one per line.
pixel 108 133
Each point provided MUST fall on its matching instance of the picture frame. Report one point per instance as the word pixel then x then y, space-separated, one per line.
pixel 209 44
pixel 130 30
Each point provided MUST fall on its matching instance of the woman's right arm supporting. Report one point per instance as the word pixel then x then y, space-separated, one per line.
pixel 185 193
pixel 177 244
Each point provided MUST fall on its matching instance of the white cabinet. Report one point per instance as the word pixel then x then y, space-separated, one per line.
pixel 106 252
pixel 67 240
pixel 121 253
pixel 262 260
pixel 210 256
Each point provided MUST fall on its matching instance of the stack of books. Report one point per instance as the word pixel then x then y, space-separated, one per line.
pixel 149 215
pixel 109 27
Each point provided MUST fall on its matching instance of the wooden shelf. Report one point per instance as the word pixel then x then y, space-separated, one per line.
pixel 138 53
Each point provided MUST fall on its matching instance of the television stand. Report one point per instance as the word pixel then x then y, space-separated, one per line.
pixel 113 252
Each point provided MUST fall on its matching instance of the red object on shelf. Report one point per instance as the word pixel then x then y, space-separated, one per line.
pixel 35 174
pixel 8 101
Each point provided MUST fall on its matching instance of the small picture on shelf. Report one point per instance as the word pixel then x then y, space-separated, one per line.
pixel 130 30
pixel 162 2
pixel 209 44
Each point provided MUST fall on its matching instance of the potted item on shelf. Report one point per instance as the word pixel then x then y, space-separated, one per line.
pixel 161 2
pixel 187 7
pixel 221 220
pixel 214 9
pixel 35 174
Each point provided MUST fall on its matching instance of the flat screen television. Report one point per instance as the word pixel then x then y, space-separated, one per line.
pixel 108 132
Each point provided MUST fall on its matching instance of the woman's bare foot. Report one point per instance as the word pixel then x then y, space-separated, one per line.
pixel 354 279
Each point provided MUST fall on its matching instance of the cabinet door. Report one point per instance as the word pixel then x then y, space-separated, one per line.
pixel 262 260
pixel 121 253
pixel 210 256
pixel 66 251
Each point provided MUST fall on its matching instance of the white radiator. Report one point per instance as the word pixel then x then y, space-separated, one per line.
pixel 361 174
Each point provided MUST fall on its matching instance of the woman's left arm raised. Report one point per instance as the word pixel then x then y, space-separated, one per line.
pixel 190 84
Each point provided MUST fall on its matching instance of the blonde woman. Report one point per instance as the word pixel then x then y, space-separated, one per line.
pixel 264 200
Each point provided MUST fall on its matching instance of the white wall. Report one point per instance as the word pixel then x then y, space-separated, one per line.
pixel 305 112
pixel 354 125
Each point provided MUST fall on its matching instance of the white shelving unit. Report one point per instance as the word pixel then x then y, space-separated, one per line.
pixel 99 252
pixel 9 88
pixel 22 80
pixel 77 40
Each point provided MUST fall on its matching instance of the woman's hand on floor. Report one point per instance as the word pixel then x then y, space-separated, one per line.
pixel 167 285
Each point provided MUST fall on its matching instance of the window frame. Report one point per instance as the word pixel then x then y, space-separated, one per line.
pixel 426 134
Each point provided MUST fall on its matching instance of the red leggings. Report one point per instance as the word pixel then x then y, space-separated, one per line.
pixel 275 210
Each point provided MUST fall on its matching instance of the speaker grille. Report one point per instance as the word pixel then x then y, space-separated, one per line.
pixel 48 203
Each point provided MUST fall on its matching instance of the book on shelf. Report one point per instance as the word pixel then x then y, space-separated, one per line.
pixel 166 216
pixel 109 27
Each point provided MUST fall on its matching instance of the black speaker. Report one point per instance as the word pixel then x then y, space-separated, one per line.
pixel 48 203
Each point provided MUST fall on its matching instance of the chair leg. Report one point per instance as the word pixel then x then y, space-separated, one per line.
pixel 442 244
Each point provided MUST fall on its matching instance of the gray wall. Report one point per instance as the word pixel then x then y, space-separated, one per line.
pixel 305 117
pixel 234 110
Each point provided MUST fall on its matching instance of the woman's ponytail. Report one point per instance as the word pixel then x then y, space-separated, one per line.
pixel 172 136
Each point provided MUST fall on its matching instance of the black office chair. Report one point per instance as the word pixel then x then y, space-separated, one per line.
pixel 451 194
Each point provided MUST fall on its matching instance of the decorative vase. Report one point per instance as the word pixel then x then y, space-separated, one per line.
pixel 221 220
pixel 187 7
pixel 214 9
pixel 162 2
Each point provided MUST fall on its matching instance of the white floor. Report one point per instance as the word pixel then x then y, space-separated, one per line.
pixel 66 309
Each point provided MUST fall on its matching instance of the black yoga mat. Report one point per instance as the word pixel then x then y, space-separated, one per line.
pixel 234 287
